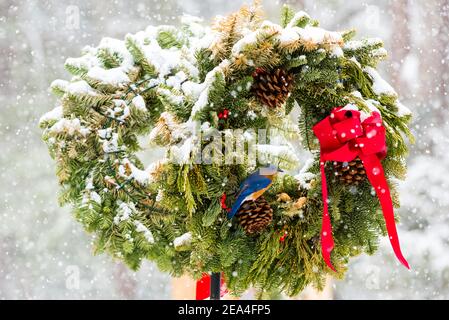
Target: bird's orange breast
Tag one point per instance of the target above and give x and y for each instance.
(257, 194)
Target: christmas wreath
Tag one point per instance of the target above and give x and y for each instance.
(232, 105)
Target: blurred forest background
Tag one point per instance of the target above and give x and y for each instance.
(45, 254)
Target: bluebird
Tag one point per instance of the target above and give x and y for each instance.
(254, 186)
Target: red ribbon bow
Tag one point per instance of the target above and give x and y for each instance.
(343, 137)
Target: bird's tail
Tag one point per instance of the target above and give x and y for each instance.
(236, 206)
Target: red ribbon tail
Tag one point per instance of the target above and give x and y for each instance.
(327, 241)
(376, 176)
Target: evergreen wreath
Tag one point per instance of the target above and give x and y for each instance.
(167, 85)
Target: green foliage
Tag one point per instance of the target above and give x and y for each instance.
(109, 59)
(139, 57)
(303, 21)
(287, 14)
(215, 98)
(167, 39)
(76, 70)
(211, 214)
(205, 62)
(348, 34)
(367, 51)
(296, 62)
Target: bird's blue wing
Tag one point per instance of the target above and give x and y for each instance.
(246, 184)
(250, 185)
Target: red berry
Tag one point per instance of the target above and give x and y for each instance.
(257, 72)
(223, 202)
(282, 238)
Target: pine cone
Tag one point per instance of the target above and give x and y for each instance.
(272, 87)
(350, 173)
(254, 216)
